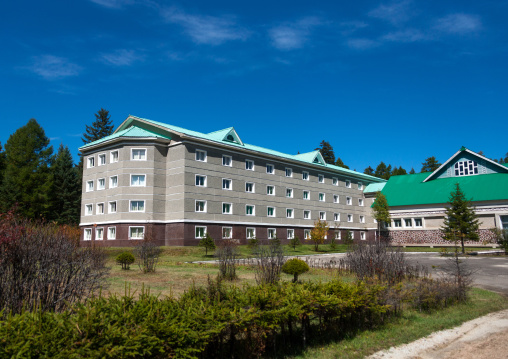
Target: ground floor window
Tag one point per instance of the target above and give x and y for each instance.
(112, 233)
(200, 232)
(251, 233)
(337, 235)
(291, 233)
(227, 232)
(418, 222)
(362, 236)
(504, 222)
(306, 234)
(271, 233)
(136, 232)
(397, 223)
(99, 234)
(88, 234)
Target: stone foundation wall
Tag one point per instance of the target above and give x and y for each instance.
(432, 237)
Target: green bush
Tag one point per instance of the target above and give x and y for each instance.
(295, 267)
(125, 259)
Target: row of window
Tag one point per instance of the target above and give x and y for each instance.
(137, 180)
(137, 154)
(406, 223)
(227, 233)
(134, 233)
(270, 169)
(134, 206)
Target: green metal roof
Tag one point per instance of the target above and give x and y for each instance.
(407, 190)
(374, 187)
(131, 132)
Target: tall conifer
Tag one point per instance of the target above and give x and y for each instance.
(327, 152)
(430, 164)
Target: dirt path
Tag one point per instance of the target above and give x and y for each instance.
(482, 338)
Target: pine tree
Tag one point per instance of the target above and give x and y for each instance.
(369, 171)
(381, 213)
(430, 165)
(399, 171)
(412, 172)
(327, 152)
(339, 163)
(101, 127)
(383, 171)
(208, 243)
(460, 221)
(66, 190)
(3, 163)
(27, 177)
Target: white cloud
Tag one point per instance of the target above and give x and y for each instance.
(362, 44)
(349, 27)
(52, 67)
(113, 4)
(293, 36)
(122, 57)
(395, 13)
(408, 35)
(458, 24)
(203, 29)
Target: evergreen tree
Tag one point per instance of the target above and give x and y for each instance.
(208, 243)
(430, 165)
(460, 222)
(3, 163)
(383, 171)
(412, 172)
(399, 171)
(66, 190)
(339, 163)
(101, 127)
(27, 177)
(327, 152)
(381, 213)
(369, 171)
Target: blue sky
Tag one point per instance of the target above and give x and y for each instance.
(393, 81)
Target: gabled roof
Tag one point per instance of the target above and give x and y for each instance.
(228, 134)
(434, 174)
(130, 132)
(314, 157)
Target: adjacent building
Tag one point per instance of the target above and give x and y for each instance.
(175, 185)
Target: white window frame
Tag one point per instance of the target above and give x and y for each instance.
(309, 212)
(362, 236)
(230, 233)
(270, 231)
(289, 172)
(89, 186)
(200, 176)
(198, 153)
(405, 222)
(306, 234)
(308, 195)
(253, 185)
(362, 219)
(99, 187)
(338, 235)
(138, 185)
(199, 236)
(253, 229)
(336, 217)
(290, 213)
(109, 207)
(89, 206)
(348, 183)
(90, 162)
(138, 159)
(253, 210)
(273, 169)
(335, 181)
(130, 206)
(196, 205)
(322, 197)
(421, 221)
(99, 156)
(87, 234)
(395, 223)
(322, 215)
(274, 214)
(273, 190)
(336, 198)
(305, 176)
(112, 156)
(97, 231)
(227, 158)
(321, 178)
(350, 218)
(360, 186)
(291, 192)
(349, 201)
(111, 237)
(136, 238)
(111, 184)
(98, 208)
(227, 180)
(230, 208)
(290, 233)
(251, 162)
(360, 202)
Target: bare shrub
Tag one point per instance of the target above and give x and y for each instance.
(459, 274)
(227, 253)
(270, 262)
(147, 253)
(42, 266)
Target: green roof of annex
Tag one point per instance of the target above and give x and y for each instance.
(137, 127)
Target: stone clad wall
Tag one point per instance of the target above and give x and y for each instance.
(434, 237)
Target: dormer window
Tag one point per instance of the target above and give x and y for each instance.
(466, 168)
(230, 138)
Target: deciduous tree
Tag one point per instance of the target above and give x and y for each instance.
(318, 233)
(381, 213)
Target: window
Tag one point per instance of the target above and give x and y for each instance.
(249, 187)
(99, 234)
(249, 165)
(289, 172)
(360, 201)
(138, 154)
(321, 179)
(306, 195)
(200, 206)
(91, 162)
(137, 206)
(112, 207)
(250, 210)
(305, 176)
(322, 216)
(270, 169)
(270, 191)
(102, 159)
(408, 222)
(336, 217)
(466, 168)
(348, 184)
(337, 235)
(227, 208)
(227, 232)
(306, 214)
(113, 181)
(291, 233)
(360, 186)
(418, 222)
(88, 210)
(289, 192)
(200, 232)
(227, 161)
(321, 197)
(335, 181)
(226, 184)
(270, 211)
(200, 181)
(271, 233)
(88, 234)
(362, 219)
(362, 236)
(111, 233)
(101, 184)
(350, 218)
(397, 223)
(335, 198)
(138, 180)
(349, 201)
(289, 213)
(306, 234)
(113, 156)
(201, 155)
(251, 233)
(89, 186)
(136, 232)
